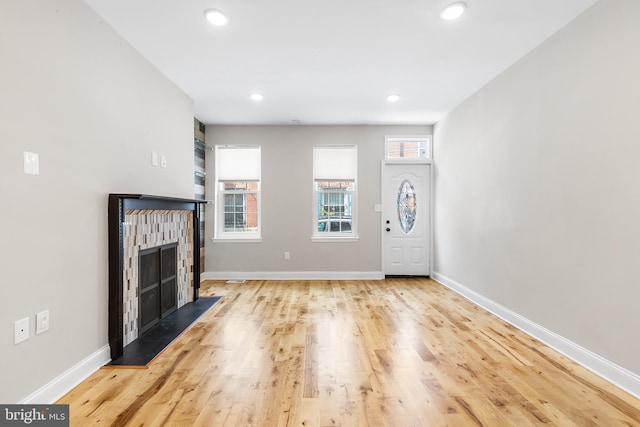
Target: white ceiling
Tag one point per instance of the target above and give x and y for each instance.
(333, 61)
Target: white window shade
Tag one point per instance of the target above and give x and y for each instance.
(332, 163)
(240, 163)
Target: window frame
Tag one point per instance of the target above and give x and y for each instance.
(220, 234)
(335, 236)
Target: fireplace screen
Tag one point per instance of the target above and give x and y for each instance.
(157, 292)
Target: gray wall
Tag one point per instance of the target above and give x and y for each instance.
(537, 186)
(94, 109)
(287, 199)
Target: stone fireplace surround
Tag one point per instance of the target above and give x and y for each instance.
(146, 229)
(136, 222)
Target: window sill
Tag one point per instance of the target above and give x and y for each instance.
(335, 239)
(237, 240)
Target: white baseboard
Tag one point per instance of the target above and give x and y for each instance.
(292, 275)
(617, 375)
(63, 383)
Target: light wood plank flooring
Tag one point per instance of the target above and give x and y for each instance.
(398, 352)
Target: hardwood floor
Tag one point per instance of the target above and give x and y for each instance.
(398, 352)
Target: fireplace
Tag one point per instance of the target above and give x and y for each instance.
(154, 262)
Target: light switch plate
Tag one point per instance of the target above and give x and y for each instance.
(42, 322)
(154, 158)
(31, 163)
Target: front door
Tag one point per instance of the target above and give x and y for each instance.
(406, 211)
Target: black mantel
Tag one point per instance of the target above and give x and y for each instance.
(118, 205)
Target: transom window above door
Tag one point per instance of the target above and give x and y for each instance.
(407, 148)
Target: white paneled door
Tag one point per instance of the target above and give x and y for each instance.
(406, 209)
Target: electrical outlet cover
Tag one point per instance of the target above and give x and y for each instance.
(20, 330)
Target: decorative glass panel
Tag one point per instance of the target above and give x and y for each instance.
(406, 206)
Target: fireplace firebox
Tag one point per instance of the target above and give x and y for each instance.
(157, 289)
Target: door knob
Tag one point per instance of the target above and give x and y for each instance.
(388, 229)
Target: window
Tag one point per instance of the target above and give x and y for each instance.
(408, 147)
(334, 184)
(237, 195)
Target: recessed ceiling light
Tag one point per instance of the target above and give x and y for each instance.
(216, 17)
(256, 96)
(393, 97)
(453, 11)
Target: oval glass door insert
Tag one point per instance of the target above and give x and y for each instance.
(406, 206)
